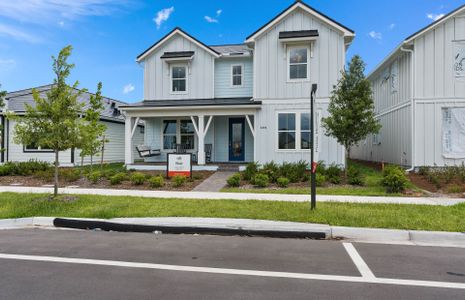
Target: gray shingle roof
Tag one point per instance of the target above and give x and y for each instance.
(195, 102)
(18, 99)
(233, 48)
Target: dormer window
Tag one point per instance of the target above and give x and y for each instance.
(298, 57)
(236, 73)
(179, 79)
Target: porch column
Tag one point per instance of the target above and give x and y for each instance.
(201, 136)
(128, 157)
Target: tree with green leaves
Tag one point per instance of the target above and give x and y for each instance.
(54, 121)
(351, 108)
(91, 139)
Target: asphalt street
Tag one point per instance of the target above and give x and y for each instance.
(69, 264)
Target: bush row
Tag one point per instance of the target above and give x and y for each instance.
(23, 168)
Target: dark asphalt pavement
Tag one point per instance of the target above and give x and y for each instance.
(24, 279)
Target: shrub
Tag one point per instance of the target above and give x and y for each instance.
(94, 176)
(461, 173)
(333, 174)
(282, 182)
(455, 189)
(272, 170)
(156, 181)
(109, 173)
(449, 173)
(319, 180)
(293, 171)
(137, 178)
(70, 175)
(433, 178)
(234, 180)
(250, 171)
(44, 175)
(197, 176)
(261, 180)
(354, 176)
(307, 176)
(423, 171)
(179, 180)
(117, 178)
(321, 168)
(24, 168)
(394, 179)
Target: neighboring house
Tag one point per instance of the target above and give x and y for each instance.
(419, 93)
(110, 116)
(245, 102)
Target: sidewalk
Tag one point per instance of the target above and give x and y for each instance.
(224, 226)
(236, 196)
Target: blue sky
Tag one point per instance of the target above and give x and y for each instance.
(107, 35)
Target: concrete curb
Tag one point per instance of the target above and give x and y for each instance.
(247, 227)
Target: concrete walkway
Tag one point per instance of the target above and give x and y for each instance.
(236, 196)
(214, 183)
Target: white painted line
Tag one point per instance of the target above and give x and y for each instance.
(356, 279)
(358, 261)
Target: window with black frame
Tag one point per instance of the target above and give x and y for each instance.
(286, 131)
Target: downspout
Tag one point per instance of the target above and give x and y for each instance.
(412, 106)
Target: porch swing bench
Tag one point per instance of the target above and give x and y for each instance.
(145, 151)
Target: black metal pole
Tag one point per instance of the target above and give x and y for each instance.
(312, 158)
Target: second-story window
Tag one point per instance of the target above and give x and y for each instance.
(298, 62)
(178, 78)
(236, 75)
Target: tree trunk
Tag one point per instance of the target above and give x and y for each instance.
(347, 160)
(91, 162)
(55, 186)
(82, 165)
(103, 152)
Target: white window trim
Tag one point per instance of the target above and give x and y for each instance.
(38, 149)
(288, 63)
(232, 75)
(185, 65)
(298, 131)
(178, 134)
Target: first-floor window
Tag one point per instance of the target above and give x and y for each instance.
(453, 132)
(169, 134)
(305, 141)
(286, 130)
(294, 131)
(187, 134)
(35, 147)
(178, 132)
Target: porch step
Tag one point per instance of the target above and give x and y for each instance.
(228, 168)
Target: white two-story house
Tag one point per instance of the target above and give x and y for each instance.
(245, 102)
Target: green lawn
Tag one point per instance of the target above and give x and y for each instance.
(343, 214)
(372, 186)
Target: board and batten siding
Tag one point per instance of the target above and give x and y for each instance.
(223, 78)
(391, 86)
(271, 67)
(200, 75)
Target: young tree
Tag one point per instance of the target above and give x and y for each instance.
(92, 131)
(351, 108)
(53, 122)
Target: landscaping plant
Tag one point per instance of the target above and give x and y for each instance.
(333, 174)
(351, 107)
(156, 181)
(179, 180)
(320, 180)
(250, 171)
(234, 180)
(94, 176)
(117, 178)
(394, 179)
(354, 176)
(261, 180)
(272, 170)
(137, 178)
(282, 182)
(70, 175)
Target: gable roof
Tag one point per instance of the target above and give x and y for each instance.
(409, 39)
(18, 99)
(299, 4)
(176, 30)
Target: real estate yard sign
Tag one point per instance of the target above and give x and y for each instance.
(179, 164)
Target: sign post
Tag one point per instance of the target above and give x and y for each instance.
(312, 158)
(179, 164)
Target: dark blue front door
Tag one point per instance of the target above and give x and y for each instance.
(236, 139)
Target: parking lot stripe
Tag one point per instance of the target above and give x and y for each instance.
(289, 275)
(358, 261)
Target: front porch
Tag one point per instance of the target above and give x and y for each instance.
(211, 166)
(214, 133)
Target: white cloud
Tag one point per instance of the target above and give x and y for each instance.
(210, 19)
(163, 15)
(434, 17)
(214, 20)
(17, 34)
(61, 23)
(375, 35)
(40, 11)
(128, 88)
(392, 26)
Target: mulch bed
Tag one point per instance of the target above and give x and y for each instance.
(105, 183)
